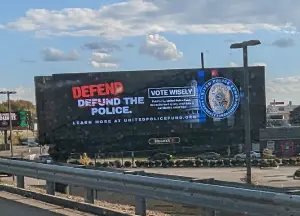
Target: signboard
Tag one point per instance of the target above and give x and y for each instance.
(271, 145)
(277, 103)
(110, 106)
(18, 119)
(194, 99)
(163, 141)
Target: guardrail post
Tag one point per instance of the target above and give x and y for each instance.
(50, 188)
(140, 206)
(20, 182)
(89, 195)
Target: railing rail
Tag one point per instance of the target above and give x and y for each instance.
(214, 197)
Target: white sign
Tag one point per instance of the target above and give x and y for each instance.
(271, 145)
(5, 116)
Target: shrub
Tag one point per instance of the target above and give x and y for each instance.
(255, 162)
(285, 162)
(270, 161)
(98, 164)
(278, 161)
(178, 163)
(297, 173)
(240, 162)
(267, 154)
(171, 163)
(138, 163)
(144, 163)
(264, 163)
(151, 164)
(111, 164)
(127, 164)
(293, 161)
(205, 163)
(164, 163)
(105, 164)
(157, 163)
(198, 163)
(220, 163)
(84, 159)
(190, 163)
(298, 159)
(118, 164)
(226, 162)
(91, 164)
(233, 162)
(212, 163)
(274, 163)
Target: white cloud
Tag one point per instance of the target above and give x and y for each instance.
(284, 42)
(259, 64)
(160, 48)
(140, 17)
(284, 88)
(52, 54)
(234, 64)
(23, 93)
(103, 60)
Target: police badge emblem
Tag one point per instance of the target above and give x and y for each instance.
(219, 97)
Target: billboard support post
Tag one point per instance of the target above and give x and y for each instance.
(8, 93)
(202, 60)
(244, 45)
(10, 125)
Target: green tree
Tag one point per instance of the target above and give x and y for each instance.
(17, 105)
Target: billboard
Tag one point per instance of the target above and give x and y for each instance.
(95, 106)
(18, 119)
(190, 102)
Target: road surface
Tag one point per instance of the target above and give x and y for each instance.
(15, 205)
(24, 150)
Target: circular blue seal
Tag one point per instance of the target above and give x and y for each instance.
(219, 98)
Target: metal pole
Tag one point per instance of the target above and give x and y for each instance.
(202, 60)
(247, 115)
(10, 125)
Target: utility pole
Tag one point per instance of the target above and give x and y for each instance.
(244, 45)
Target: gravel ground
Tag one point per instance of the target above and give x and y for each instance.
(122, 207)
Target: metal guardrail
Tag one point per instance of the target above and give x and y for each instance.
(208, 197)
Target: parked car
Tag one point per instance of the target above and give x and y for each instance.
(253, 154)
(161, 156)
(208, 156)
(30, 142)
(45, 159)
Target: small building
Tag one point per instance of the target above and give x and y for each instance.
(284, 141)
(278, 114)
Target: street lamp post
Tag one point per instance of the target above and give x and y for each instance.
(244, 45)
(8, 93)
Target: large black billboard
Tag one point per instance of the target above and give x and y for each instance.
(111, 105)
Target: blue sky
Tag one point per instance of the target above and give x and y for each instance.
(41, 38)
